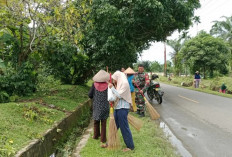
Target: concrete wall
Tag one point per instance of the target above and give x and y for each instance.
(46, 146)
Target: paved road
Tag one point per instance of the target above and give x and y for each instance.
(203, 122)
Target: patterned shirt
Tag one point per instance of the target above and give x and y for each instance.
(121, 103)
(101, 106)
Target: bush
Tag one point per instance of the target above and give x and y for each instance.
(47, 84)
(21, 82)
(4, 97)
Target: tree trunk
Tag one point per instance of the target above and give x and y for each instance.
(204, 72)
(20, 57)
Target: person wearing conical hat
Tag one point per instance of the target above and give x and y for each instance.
(98, 93)
(130, 75)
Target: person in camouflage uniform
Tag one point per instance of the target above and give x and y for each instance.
(141, 79)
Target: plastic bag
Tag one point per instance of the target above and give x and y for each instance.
(111, 96)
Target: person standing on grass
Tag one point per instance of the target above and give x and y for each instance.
(98, 93)
(122, 106)
(130, 75)
(197, 79)
(141, 80)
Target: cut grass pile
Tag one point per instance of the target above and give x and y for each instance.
(29, 118)
(149, 141)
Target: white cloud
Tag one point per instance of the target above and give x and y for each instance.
(211, 10)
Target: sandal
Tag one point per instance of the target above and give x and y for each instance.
(126, 150)
(104, 145)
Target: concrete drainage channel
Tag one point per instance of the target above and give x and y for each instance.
(174, 141)
(59, 132)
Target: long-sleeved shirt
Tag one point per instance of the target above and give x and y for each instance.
(130, 78)
(121, 103)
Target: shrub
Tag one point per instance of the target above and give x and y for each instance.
(47, 84)
(17, 82)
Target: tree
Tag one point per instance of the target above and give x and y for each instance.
(127, 27)
(31, 22)
(206, 53)
(156, 67)
(176, 45)
(223, 29)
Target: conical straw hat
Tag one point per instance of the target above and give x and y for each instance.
(101, 76)
(129, 71)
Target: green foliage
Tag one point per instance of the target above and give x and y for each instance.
(33, 113)
(6, 148)
(223, 29)
(65, 62)
(119, 30)
(76, 38)
(4, 97)
(156, 67)
(47, 84)
(21, 82)
(2, 66)
(206, 53)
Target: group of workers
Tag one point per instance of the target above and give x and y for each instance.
(128, 86)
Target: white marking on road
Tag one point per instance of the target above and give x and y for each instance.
(188, 99)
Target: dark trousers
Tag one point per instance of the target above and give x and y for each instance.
(121, 121)
(97, 132)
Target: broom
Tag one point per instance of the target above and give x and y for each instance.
(113, 138)
(135, 122)
(153, 113)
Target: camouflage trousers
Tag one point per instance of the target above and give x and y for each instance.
(140, 102)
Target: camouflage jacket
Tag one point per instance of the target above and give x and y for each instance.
(141, 80)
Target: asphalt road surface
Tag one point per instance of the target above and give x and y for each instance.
(202, 122)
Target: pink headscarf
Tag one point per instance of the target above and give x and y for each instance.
(123, 87)
(101, 86)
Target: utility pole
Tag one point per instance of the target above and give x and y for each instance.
(165, 61)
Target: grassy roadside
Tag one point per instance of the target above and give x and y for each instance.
(149, 141)
(29, 118)
(210, 86)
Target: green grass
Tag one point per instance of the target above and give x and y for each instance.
(29, 118)
(210, 86)
(17, 129)
(149, 141)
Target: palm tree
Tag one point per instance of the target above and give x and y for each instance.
(196, 20)
(223, 29)
(176, 46)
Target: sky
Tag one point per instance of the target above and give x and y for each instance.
(211, 10)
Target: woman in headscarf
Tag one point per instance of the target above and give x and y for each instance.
(122, 106)
(98, 93)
